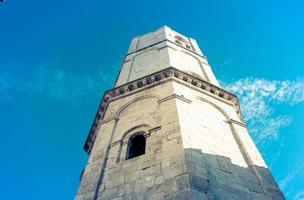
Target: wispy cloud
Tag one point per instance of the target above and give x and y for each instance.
(292, 174)
(259, 98)
(5, 85)
(281, 91)
(54, 83)
(299, 195)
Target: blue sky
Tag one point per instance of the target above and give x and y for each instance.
(57, 59)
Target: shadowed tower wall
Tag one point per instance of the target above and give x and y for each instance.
(168, 131)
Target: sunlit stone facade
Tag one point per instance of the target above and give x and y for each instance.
(168, 131)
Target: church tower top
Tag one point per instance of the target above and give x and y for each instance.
(164, 33)
(162, 49)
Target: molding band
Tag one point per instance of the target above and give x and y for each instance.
(175, 96)
(237, 122)
(153, 80)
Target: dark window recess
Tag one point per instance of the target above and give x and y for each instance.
(137, 146)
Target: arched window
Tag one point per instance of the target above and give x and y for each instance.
(136, 146)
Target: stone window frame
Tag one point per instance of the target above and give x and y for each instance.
(124, 142)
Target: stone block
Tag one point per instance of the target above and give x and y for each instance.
(89, 195)
(159, 180)
(146, 172)
(132, 176)
(224, 166)
(145, 163)
(180, 195)
(117, 198)
(108, 194)
(131, 187)
(198, 195)
(114, 182)
(150, 181)
(169, 186)
(174, 170)
(140, 195)
(130, 167)
(88, 188)
(79, 197)
(139, 185)
(114, 174)
(114, 169)
(182, 182)
(199, 183)
(157, 169)
(155, 192)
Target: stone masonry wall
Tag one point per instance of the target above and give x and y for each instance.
(159, 173)
(197, 147)
(222, 160)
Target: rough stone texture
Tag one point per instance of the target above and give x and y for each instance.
(197, 146)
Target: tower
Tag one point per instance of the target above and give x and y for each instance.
(167, 130)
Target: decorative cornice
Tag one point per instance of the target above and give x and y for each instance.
(151, 81)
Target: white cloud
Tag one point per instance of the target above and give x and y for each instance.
(259, 98)
(299, 195)
(278, 91)
(292, 174)
(54, 83)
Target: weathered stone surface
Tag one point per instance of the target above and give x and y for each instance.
(197, 146)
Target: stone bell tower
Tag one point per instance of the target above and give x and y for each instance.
(167, 130)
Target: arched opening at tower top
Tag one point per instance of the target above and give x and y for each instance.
(136, 146)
